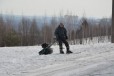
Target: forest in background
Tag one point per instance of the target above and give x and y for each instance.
(37, 30)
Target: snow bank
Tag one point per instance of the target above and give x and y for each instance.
(87, 60)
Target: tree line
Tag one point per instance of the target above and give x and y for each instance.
(35, 31)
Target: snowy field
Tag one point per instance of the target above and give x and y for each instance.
(87, 60)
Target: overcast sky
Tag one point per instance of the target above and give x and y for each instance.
(89, 8)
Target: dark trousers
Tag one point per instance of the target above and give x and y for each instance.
(65, 42)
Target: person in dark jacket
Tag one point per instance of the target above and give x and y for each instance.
(61, 36)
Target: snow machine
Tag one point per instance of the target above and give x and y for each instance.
(46, 49)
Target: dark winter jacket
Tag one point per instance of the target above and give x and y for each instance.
(61, 33)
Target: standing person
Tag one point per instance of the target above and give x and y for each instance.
(61, 36)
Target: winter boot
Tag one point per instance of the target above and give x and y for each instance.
(68, 51)
(61, 51)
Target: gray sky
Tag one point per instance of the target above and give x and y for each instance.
(90, 8)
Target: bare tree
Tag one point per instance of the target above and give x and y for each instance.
(85, 28)
(2, 31)
(24, 31)
(53, 26)
(34, 33)
(112, 39)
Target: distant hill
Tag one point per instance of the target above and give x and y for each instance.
(40, 19)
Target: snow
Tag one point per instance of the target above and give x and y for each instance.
(86, 60)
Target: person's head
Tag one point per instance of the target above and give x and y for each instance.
(61, 25)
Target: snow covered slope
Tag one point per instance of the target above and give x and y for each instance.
(87, 60)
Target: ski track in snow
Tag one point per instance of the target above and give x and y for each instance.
(87, 60)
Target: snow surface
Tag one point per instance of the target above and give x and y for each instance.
(87, 60)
